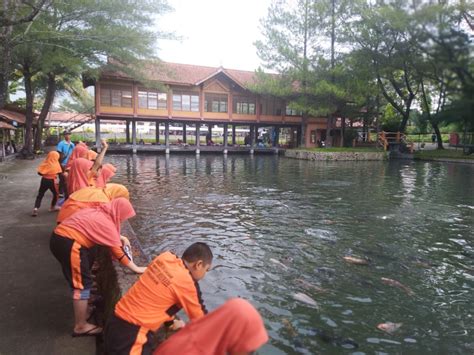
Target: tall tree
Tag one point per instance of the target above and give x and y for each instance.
(71, 37)
(14, 13)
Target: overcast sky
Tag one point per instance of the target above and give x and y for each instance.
(214, 32)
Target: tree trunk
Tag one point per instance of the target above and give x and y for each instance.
(48, 100)
(4, 64)
(27, 150)
(439, 140)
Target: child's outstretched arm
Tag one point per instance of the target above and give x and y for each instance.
(98, 161)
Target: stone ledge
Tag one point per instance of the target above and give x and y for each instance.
(335, 156)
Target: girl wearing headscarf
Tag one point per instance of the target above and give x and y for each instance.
(71, 244)
(106, 173)
(235, 328)
(91, 197)
(49, 170)
(78, 152)
(83, 173)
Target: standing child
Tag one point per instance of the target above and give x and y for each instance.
(49, 170)
(168, 284)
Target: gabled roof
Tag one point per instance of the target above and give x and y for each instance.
(187, 74)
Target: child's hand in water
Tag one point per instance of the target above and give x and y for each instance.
(177, 324)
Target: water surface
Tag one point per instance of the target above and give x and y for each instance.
(280, 227)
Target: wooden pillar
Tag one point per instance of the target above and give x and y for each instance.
(167, 134)
(184, 133)
(226, 127)
(157, 132)
(233, 134)
(209, 131)
(97, 133)
(276, 136)
(198, 139)
(3, 143)
(134, 135)
(252, 135)
(127, 132)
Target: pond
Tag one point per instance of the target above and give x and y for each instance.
(279, 229)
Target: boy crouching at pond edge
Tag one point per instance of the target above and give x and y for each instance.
(168, 284)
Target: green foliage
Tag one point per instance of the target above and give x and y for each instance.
(390, 120)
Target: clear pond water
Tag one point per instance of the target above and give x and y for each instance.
(279, 229)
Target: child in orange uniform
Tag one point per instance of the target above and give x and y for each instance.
(235, 328)
(91, 197)
(49, 170)
(71, 244)
(169, 284)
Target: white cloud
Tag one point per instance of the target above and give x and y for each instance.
(214, 32)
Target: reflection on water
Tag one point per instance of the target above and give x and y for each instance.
(279, 229)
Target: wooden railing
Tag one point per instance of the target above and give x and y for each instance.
(385, 138)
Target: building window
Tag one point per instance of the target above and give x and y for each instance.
(152, 100)
(215, 103)
(185, 102)
(115, 97)
(271, 107)
(244, 105)
(292, 112)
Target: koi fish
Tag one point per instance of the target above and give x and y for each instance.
(389, 327)
(356, 261)
(396, 283)
(305, 299)
(279, 263)
(308, 285)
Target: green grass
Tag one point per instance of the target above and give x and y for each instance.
(342, 150)
(443, 153)
(426, 138)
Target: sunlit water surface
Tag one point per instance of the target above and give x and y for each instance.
(279, 227)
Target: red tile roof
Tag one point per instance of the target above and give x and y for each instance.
(4, 125)
(186, 74)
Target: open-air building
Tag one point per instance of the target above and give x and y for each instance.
(193, 97)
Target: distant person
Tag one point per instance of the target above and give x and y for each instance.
(71, 244)
(49, 170)
(169, 284)
(235, 328)
(209, 140)
(433, 138)
(65, 147)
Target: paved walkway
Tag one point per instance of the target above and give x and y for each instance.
(35, 309)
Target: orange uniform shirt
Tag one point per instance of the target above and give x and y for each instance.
(71, 233)
(160, 292)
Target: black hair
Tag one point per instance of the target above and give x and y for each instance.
(198, 251)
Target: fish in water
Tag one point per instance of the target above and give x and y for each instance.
(398, 284)
(356, 261)
(308, 285)
(389, 327)
(299, 296)
(279, 263)
(289, 327)
(327, 337)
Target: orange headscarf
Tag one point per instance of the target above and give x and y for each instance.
(106, 173)
(78, 152)
(82, 144)
(234, 327)
(50, 166)
(101, 225)
(116, 190)
(89, 197)
(79, 175)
